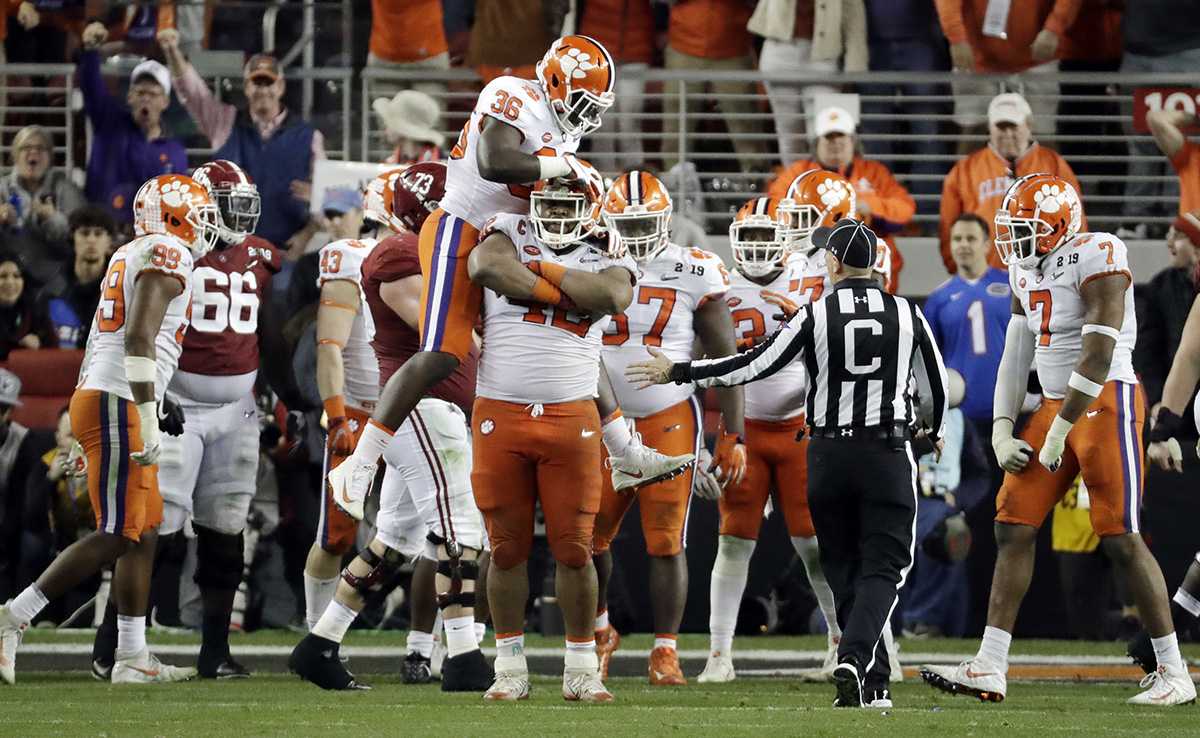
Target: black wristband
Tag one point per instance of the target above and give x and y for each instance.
(1166, 425)
(679, 372)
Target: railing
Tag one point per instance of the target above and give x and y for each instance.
(40, 94)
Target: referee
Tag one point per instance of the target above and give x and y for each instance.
(860, 347)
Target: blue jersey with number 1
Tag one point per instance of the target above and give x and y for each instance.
(969, 320)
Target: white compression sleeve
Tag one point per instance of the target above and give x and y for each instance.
(1013, 375)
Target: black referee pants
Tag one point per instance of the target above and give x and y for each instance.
(862, 495)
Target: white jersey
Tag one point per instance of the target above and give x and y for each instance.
(104, 361)
(519, 103)
(535, 353)
(670, 288)
(343, 260)
(1054, 310)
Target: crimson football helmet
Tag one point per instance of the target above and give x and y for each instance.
(416, 193)
(1040, 212)
(577, 74)
(235, 195)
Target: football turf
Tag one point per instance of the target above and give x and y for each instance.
(43, 704)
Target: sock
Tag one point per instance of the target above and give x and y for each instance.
(602, 620)
(334, 622)
(318, 593)
(581, 655)
(1185, 600)
(371, 444)
(460, 635)
(1166, 651)
(725, 590)
(664, 640)
(480, 632)
(420, 642)
(810, 556)
(993, 649)
(131, 636)
(617, 435)
(26, 606)
(105, 644)
(510, 652)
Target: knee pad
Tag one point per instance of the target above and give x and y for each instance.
(456, 568)
(569, 553)
(507, 554)
(383, 569)
(172, 549)
(733, 556)
(220, 558)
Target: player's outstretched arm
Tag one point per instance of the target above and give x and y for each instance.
(1167, 127)
(1164, 450)
(499, 157)
(152, 294)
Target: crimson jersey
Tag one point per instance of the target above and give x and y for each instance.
(228, 287)
(395, 341)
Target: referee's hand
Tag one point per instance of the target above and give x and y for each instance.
(656, 370)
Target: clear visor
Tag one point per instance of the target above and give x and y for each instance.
(1016, 238)
(758, 247)
(560, 217)
(641, 235)
(205, 221)
(582, 110)
(796, 224)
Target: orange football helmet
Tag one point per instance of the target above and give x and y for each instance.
(815, 198)
(637, 212)
(379, 199)
(1040, 212)
(175, 205)
(577, 75)
(757, 238)
(564, 210)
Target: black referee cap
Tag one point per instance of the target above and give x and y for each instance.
(849, 240)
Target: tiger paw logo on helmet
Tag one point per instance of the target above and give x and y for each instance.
(173, 193)
(1050, 198)
(831, 192)
(577, 63)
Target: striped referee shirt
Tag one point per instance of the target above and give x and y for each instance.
(860, 347)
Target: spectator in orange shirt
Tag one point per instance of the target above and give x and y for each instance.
(510, 37)
(881, 201)
(1023, 39)
(977, 183)
(1167, 127)
(703, 35)
(407, 34)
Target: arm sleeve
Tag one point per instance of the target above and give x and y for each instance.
(102, 108)
(930, 374)
(783, 347)
(1013, 375)
(951, 16)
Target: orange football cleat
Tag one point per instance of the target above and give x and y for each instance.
(664, 668)
(607, 641)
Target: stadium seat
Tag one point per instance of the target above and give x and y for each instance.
(48, 377)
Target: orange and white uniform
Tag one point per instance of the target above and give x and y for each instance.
(1105, 445)
(672, 285)
(536, 430)
(344, 260)
(124, 494)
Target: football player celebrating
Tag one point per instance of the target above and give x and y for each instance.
(134, 345)
(678, 299)
(536, 428)
(209, 474)
(520, 132)
(1072, 312)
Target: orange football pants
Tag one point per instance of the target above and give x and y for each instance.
(450, 301)
(336, 530)
(775, 460)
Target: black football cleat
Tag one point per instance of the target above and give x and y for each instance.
(416, 669)
(467, 672)
(101, 670)
(1142, 652)
(221, 668)
(315, 659)
(849, 688)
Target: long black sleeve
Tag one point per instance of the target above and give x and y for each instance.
(930, 374)
(783, 347)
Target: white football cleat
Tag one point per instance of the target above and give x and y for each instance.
(877, 699)
(584, 685)
(718, 669)
(509, 686)
(145, 668)
(11, 632)
(1169, 685)
(967, 678)
(642, 465)
(893, 652)
(349, 484)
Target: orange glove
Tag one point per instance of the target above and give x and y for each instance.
(781, 301)
(729, 460)
(340, 440)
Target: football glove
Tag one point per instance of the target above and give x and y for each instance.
(170, 417)
(729, 462)
(704, 484)
(781, 301)
(341, 438)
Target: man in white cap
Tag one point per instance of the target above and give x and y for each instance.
(410, 121)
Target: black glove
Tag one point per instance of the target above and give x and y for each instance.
(170, 417)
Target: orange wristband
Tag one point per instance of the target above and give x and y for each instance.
(552, 273)
(546, 293)
(335, 407)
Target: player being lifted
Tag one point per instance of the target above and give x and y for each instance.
(1072, 311)
(536, 429)
(678, 299)
(134, 345)
(520, 132)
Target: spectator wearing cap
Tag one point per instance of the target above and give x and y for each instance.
(129, 145)
(977, 183)
(626, 28)
(34, 203)
(410, 122)
(1015, 37)
(22, 324)
(18, 459)
(275, 147)
(343, 213)
(1184, 155)
(806, 38)
(882, 202)
(71, 298)
(408, 35)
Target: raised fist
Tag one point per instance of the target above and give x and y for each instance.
(94, 35)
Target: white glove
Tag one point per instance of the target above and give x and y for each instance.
(1051, 452)
(1166, 454)
(1012, 454)
(704, 482)
(151, 436)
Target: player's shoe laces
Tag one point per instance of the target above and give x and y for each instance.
(11, 631)
(145, 668)
(349, 484)
(718, 668)
(509, 686)
(970, 678)
(584, 685)
(664, 668)
(315, 659)
(466, 672)
(415, 669)
(1167, 685)
(849, 688)
(607, 642)
(877, 698)
(642, 465)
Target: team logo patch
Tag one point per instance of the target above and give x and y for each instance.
(997, 289)
(733, 302)
(353, 425)
(532, 250)
(1022, 283)
(547, 137)
(487, 426)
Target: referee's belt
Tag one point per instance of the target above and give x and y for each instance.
(898, 432)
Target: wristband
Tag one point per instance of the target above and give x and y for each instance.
(1001, 430)
(679, 372)
(546, 293)
(335, 407)
(1166, 425)
(1059, 428)
(1103, 330)
(551, 272)
(140, 369)
(1084, 385)
(550, 167)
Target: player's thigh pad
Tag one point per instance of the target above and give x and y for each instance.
(1027, 497)
(1107, 440)
(450, 302)
(229, 471)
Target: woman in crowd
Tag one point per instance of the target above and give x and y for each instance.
(22, 325)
